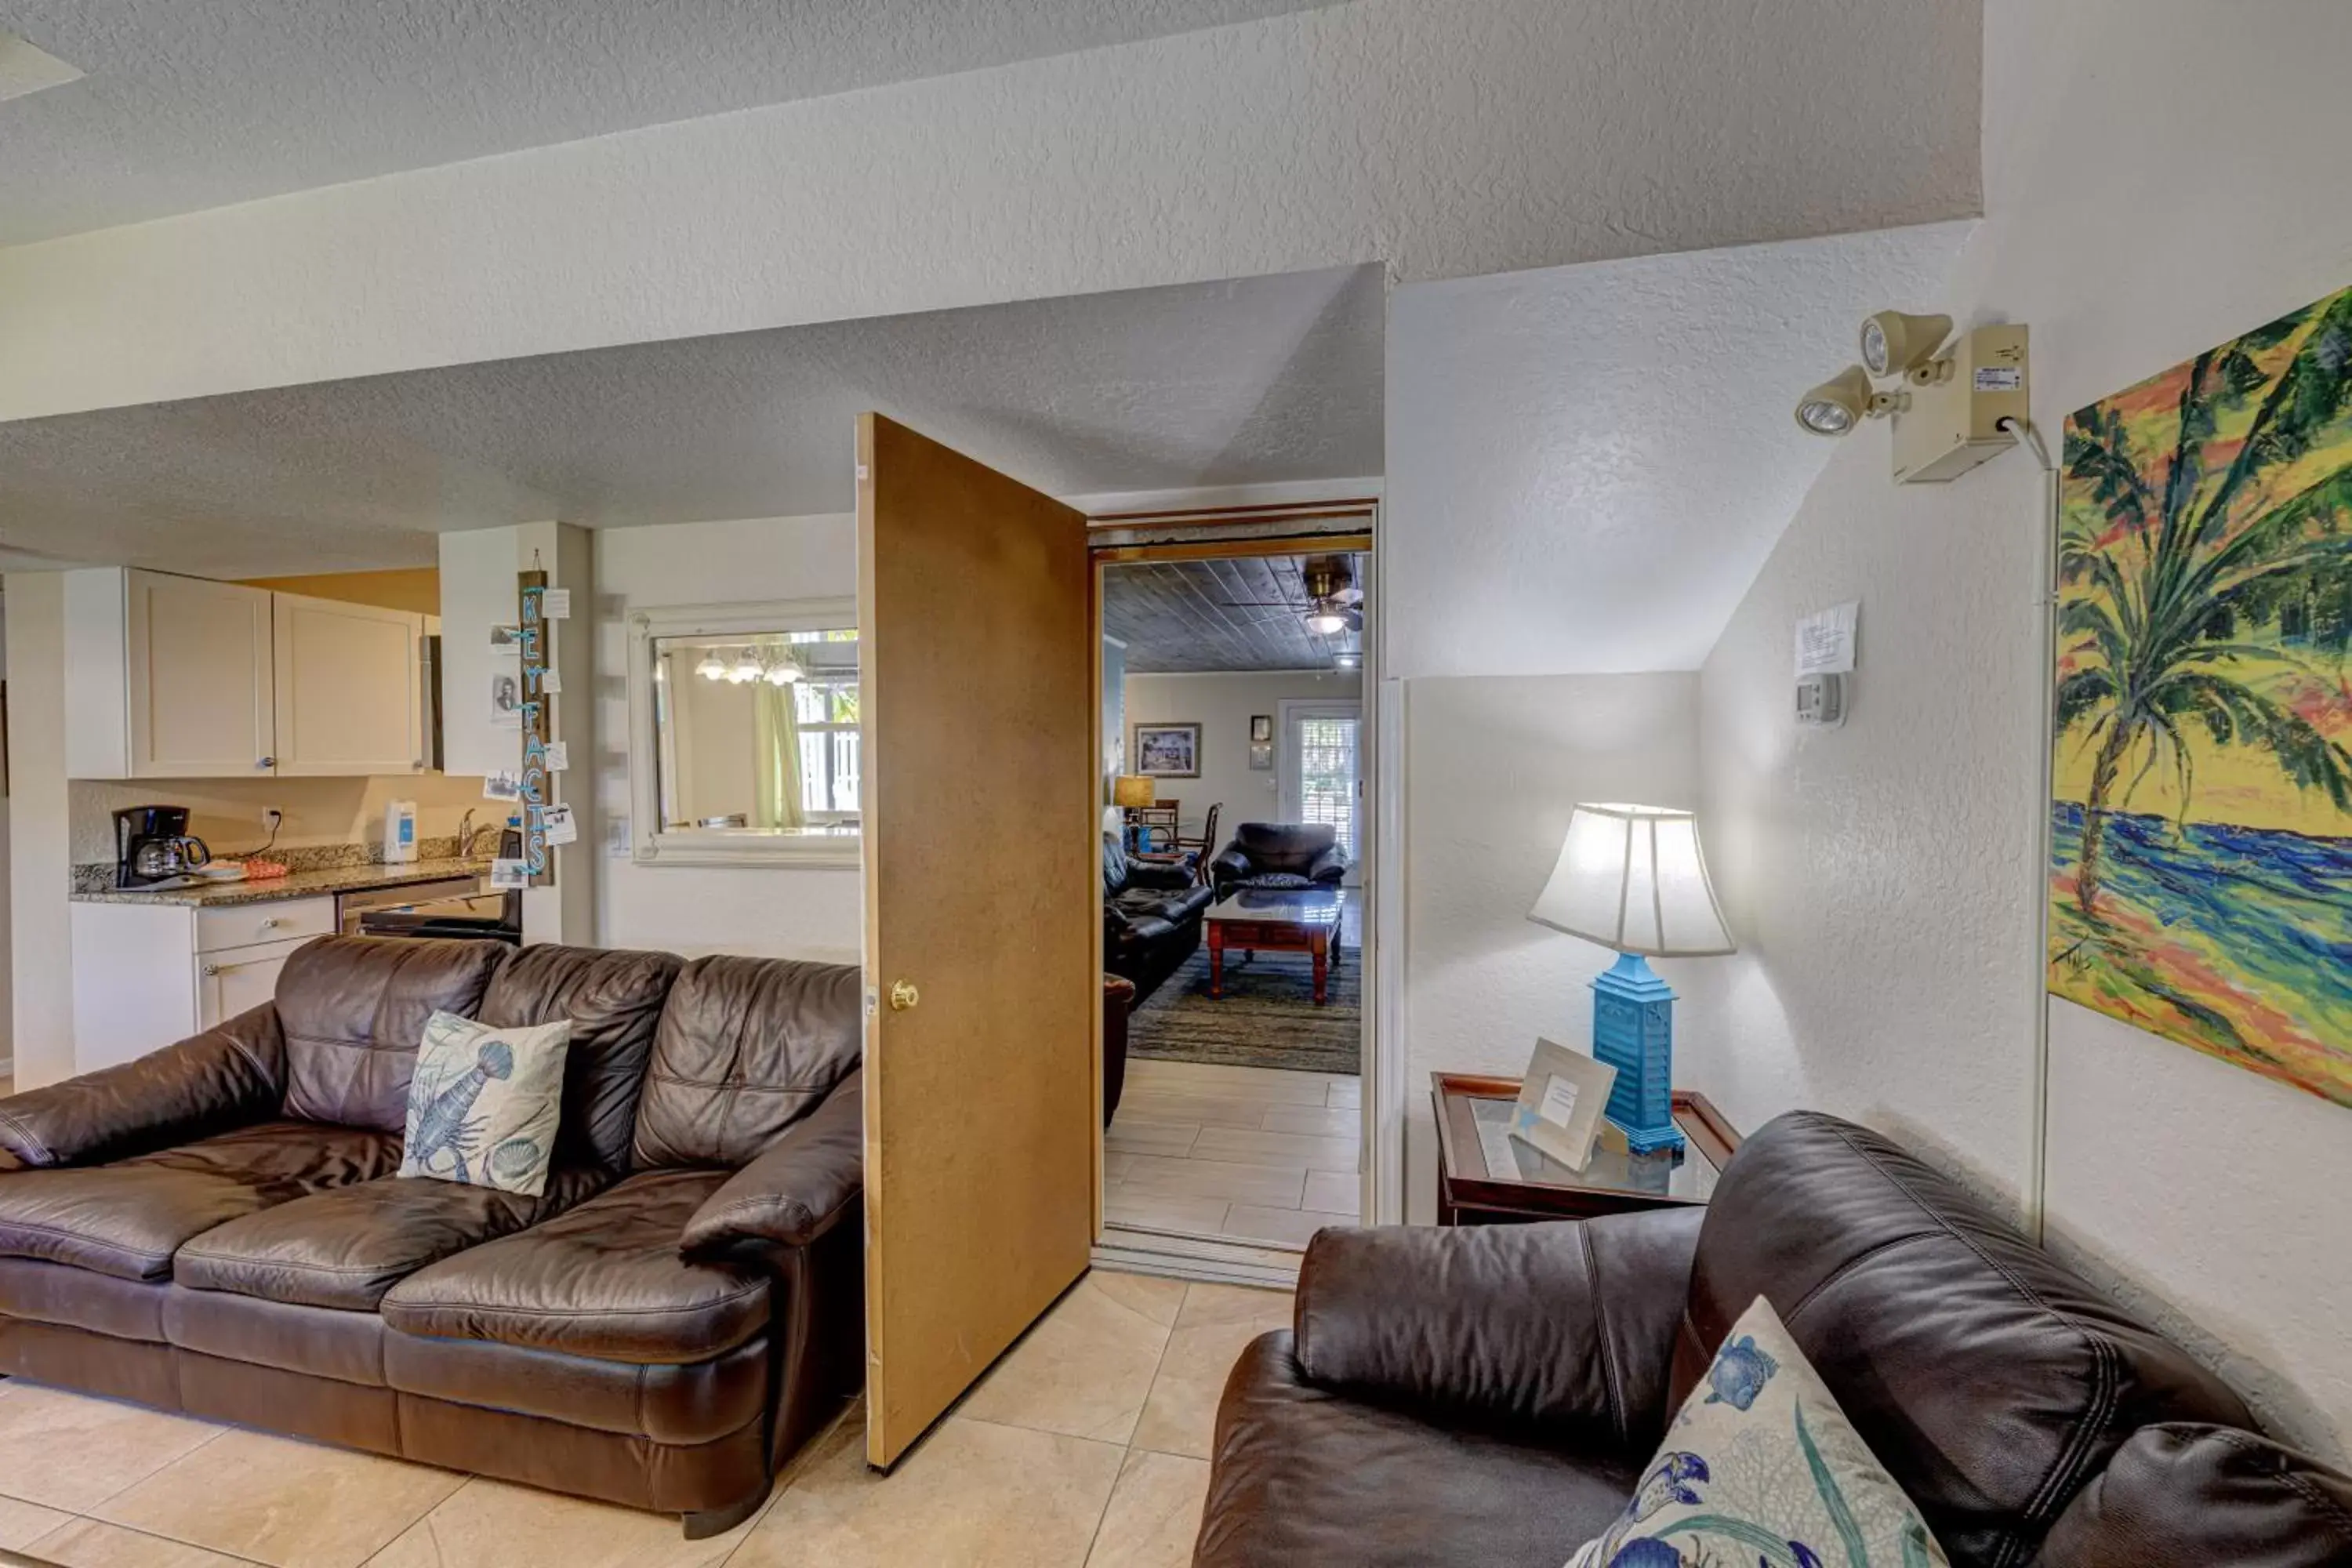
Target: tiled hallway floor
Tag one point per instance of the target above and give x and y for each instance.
(1085, 1447)
(1239, 1154)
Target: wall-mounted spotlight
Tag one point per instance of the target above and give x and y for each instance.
(1948, 411)
(1895, 344)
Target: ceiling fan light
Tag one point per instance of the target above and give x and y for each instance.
(1324, 622)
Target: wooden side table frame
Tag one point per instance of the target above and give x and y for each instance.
(1468, 1195)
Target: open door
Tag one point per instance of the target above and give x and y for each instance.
(982, 917)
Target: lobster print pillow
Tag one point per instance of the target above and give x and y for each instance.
(1760, 1466)
(484, 1102)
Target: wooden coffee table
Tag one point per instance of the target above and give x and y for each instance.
(1283, 920)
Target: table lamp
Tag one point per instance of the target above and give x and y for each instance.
(1128, 790)
(1632, 877)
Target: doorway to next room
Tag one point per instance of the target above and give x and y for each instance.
(1235, 888)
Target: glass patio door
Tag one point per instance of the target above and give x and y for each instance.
(1322, 771)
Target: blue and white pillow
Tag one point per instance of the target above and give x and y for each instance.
(484, 1103)
(1762, 1468)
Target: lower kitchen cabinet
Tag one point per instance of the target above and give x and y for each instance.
(145, 976)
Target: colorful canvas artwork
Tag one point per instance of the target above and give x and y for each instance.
(2200, 884)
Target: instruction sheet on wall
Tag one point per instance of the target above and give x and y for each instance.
(1825, 639)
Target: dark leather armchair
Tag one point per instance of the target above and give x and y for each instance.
(1490, 1396)
(1279, 854)
(1151, 918)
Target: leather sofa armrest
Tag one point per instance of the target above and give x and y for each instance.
(1172, 878)
(1565, 1330)
(227, 1077)
(1330, 866)
(798, 1189)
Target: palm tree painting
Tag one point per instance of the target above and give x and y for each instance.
(2201, 872)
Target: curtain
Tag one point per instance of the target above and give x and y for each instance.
(777, 757)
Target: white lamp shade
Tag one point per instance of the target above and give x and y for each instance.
(1632, 877)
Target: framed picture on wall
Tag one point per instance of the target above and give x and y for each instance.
(1261, 756)
(1167, 750)
(1261, 727)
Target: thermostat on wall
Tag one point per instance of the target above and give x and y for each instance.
(1821, 700)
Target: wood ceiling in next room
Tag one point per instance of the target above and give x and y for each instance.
(1241, 613)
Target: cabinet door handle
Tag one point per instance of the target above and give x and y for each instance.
(211, 969)
(272, 923)
(267, 763)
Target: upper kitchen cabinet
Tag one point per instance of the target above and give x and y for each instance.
(179, 678)
(350, 698)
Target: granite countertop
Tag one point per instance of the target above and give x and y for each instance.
(301, 884)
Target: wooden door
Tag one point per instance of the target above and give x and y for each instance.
(200, 677)
(350, 688)
(982, 918)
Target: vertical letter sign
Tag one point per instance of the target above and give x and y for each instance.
(537, 658)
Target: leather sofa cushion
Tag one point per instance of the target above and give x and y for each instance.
(613, 1000)
(694, 1403)
(604, 1280)
(353, 1010)
(343, 1249)
(59, 1293)
(343, 1347)
(1310, 1479)
(2184, 1496)
(1989, 1380)
(1151, 903)
(129, 1218)
(1291, 846)
(746, 1047)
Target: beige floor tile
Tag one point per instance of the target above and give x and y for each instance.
(1086, 1368)
(72, 1452)
(1285, 1228)
(1273, 1186)
(22, 1523)
(1258, 1148)
(275, 1501)
(488, 1524)
(1114, 1164)
(1200, 1216)
(1216, 1322)
(974, 1494)
(1203, 1109)
(1317, 1120)
(94, 1544)
(1211, 1079)
(1135, 1136)
(1154, 1514)
(1346, 1092)
(1334, 1192)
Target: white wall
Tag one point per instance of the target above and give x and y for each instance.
(1465, 137)
(1493, 767)
(226, 813)
(1223, 705)
(790, 913)
(39, 867)
(1885, 878)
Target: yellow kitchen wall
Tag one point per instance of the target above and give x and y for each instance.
(416, 589)
(226, 813)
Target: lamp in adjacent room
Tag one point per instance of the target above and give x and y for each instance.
(1630, 877)
(1129, 791)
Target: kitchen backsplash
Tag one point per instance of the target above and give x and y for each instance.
(333, 815)
(97, 875)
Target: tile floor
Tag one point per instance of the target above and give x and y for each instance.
(1245, 1153)
(1085, 1447)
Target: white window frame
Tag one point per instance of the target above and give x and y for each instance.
(1292, 710)
(650, 845)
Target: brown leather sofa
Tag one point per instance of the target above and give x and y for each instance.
(1279, 854)
(1151, 918)
(217, 1229)
(1489, 1397)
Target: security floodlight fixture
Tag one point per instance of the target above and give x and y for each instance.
(1895, 344)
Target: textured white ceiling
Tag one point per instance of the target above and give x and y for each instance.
(1242, 382)
(1588, 464)
(189, 104)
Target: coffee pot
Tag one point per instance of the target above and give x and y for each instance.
(152, 848)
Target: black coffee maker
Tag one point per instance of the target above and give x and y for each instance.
(152, 849)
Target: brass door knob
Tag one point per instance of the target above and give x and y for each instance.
(903, 995)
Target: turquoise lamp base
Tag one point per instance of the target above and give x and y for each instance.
(1633, 1031)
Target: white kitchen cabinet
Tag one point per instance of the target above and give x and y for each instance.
(349, 685)
(237, 978)
(148, 975)
(179, 678)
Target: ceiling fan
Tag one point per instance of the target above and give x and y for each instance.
(1335, 604)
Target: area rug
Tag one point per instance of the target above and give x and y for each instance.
(1266, 1018)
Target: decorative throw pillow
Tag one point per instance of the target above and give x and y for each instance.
(484, 1102)
(1761, 1466)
